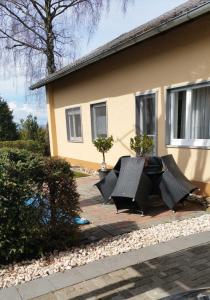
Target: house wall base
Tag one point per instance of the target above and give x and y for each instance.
(84, 164)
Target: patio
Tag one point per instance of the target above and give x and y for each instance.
(106, 223)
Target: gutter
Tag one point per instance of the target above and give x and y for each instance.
(94, 57)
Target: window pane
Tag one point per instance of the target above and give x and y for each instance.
(179, 115)
(72, 132)
(146, 117)
(200, 111)
(99, 120)
(146, 114)
(189, 114)
(78, 132)
(74, 129)
(75, 110)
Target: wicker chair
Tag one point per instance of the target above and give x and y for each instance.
(133, 186)
(108, 183)
(174, 186)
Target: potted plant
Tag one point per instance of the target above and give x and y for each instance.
(103, 145)
(141, 144)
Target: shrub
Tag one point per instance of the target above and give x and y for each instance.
(19, 228)
(60, 202)
(29, 145)
(103, 145)
(141, 144)
(38, 199)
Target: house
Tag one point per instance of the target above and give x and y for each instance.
(154, 79)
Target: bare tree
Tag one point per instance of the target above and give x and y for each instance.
(42, 32)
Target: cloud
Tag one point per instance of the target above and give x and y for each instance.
(22, 110)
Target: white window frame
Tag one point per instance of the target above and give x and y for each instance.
(154, 93)
(71, 112)
(93, 118)
(170, 129)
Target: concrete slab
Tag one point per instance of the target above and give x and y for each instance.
(34, 288)
(9, 294)
(67, 278)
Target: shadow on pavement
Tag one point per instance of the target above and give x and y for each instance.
(154, 279)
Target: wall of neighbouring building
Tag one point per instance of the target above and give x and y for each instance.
(179, 56)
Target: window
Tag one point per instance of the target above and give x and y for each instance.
(73, 121)
(146, 116)
(98, 120)
(188, 116)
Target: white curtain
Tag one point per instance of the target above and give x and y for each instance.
(100, 121)
(200, 114)
(147, 114)
(191, 111)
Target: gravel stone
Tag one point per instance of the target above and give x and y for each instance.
(17, 273)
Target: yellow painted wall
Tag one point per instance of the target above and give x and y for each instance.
(179, 56)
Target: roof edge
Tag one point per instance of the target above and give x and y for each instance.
(137, 38)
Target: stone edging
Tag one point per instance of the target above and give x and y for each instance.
(42, 286)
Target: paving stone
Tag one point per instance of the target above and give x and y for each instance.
(35, 288)
(94, 269)
(69, 293)
(49, 296)
(96, 212)
(150, 279)
(9, 294)
(64, 279)
(140, 297)
(125, 293)
(117, 297)
(140, 289)
(157, 293)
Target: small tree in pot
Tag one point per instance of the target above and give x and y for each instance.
(103, 145)
(141, 144)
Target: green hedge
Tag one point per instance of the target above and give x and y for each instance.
(28, 145)
(38, 199)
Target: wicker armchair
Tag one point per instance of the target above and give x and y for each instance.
(174, 186)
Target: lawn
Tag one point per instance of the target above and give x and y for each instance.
(79, 174)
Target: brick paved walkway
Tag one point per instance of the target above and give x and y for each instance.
(105, 222)
(153, 279)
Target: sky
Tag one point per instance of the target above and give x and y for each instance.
(13, 86)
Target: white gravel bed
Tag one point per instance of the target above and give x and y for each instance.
(29, 270)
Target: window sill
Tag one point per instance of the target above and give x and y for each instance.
(76, 141)
(188, 147)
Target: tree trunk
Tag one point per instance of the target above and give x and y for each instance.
(51, 68)
(103, 157)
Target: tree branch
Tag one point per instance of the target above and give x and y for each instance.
(26, 44)
(15, 16)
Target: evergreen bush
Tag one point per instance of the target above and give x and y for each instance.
(38, 199)
(29, 145)
(141, 144)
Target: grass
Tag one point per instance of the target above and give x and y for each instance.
(79, 174)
